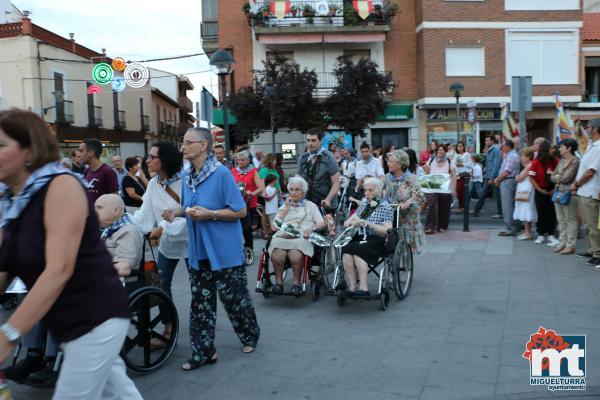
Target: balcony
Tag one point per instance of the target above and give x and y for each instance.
(145, 123)
(120, 119)
(339, 20)
(162, 128)
(64, 112)
(327, 81)
(94, 116)
(185, 104)
(209, 32)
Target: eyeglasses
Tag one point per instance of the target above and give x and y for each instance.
(188, 142)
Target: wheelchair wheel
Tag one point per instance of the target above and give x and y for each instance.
(248, 256)
(328, 260)
(149, 307)
(384, 296)
(402, 269)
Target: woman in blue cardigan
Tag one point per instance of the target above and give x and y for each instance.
(212, 204)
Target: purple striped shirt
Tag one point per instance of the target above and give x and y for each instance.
(511, 163)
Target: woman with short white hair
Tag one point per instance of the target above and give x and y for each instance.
(305, 217)
(373, 218)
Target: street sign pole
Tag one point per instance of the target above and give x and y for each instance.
(521, 102)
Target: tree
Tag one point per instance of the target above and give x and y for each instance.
(361, 88)
(281, 90)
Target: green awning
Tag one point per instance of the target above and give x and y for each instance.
(396, 112)
(218, 117)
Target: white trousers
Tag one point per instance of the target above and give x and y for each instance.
(92, 368)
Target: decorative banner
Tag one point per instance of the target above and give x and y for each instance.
(322, 7)
(118, 84)
(363, 7)
(119, 64)
(564, 128)
(102, 73)
(136, 75)
(439, 183)
(93, 89)
(509, 127)
(280, 8)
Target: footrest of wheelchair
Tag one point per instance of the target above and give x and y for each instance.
(269, 291)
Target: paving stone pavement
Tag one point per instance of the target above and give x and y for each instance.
(460, 333)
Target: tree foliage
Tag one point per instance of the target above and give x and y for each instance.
(281, 90)
(359, 96)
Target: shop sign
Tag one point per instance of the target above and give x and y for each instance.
(449, 114)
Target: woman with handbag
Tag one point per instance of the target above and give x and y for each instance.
(539, 175)
(566, 211)
(164, 191)
(464, 167)
(525, 210)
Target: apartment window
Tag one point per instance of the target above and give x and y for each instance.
(541, 4)
(358, 54)
(59, 82)
(465, 61)
(548, 57)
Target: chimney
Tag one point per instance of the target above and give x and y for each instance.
(73, 46)
(26, 24)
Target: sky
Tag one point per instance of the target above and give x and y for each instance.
(132, 29)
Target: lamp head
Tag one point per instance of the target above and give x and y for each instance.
(456, 88)
(222, 62)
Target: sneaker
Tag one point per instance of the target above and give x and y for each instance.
(27, 366)
(594, 261)
(584, 254)
(496, 216)
(43, 379)
(540, 239)
(552, 241)
(524, 237)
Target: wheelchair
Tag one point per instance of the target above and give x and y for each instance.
(150, 309)
(393, 269)
(311, 271)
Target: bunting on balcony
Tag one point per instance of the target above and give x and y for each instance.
(280, 8)
(363, 7)
(564, 129)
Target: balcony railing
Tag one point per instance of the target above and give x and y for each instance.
(185, 104)
(317, 13)
(326, 81)
(162, 127)
(120, 119)
(95, 116)
(209, 30)
(145, 123)
(64, 112)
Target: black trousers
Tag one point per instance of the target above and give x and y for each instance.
(546, 223)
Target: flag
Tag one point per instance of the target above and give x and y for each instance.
(564, 129)
(363, 7)
(280, 8)
(582, 139)
(509, 126)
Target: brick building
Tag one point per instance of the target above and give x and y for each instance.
(426, 47)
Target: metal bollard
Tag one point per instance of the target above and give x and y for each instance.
(466, 194)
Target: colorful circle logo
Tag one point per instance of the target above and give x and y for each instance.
(102, 73)
(136, 75)
(118, 84)
(119, 64)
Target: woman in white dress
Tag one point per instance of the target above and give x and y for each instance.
(525, 211)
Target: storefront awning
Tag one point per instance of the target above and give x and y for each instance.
(218, 117)
(396, 112)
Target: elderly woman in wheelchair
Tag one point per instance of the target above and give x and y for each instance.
(370, 224)
(294, 223)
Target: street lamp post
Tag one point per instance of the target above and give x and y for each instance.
(456, 89)
(222, 62)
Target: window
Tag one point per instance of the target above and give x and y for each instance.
(541, 4)
(592, 79)
(357, 55)
(548, 57)
(465, 61)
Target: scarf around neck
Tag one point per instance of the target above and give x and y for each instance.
(244, 171)
(317, 153)
(393, 179)
(166, 182)
(115, 226)
(297, 203)
(13, 206)
(208, 168)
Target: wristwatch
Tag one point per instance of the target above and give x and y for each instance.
(215, 215)
(11, 333)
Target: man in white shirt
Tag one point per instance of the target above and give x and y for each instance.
(367, 165)
(587, 184)
(348, 164)
(257, 159)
